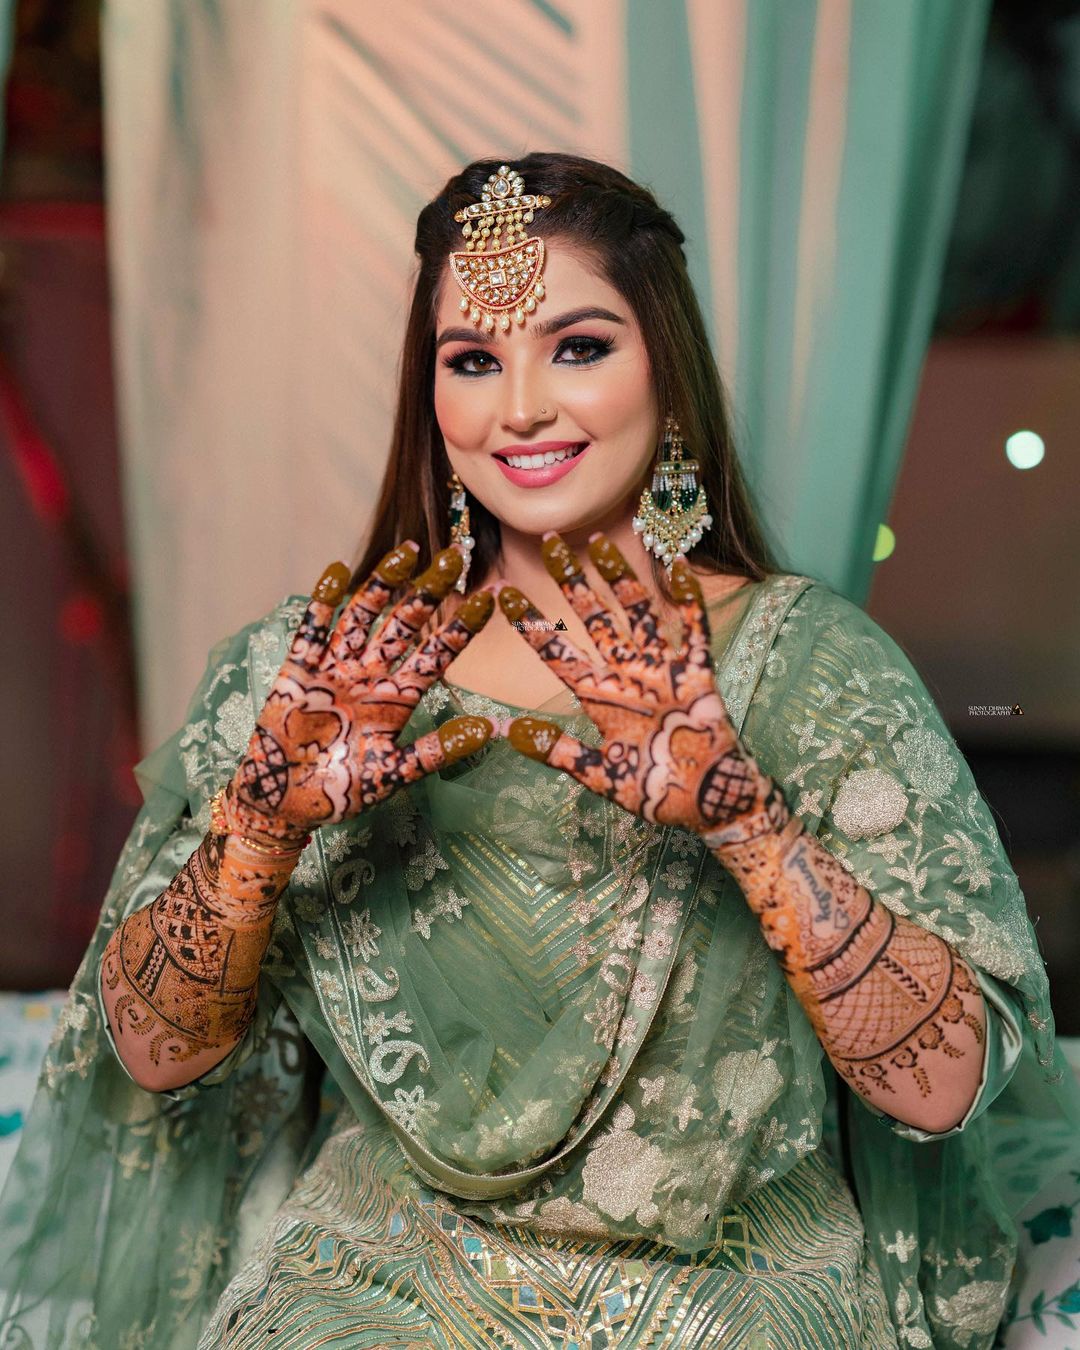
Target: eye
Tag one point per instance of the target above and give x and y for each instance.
(583, 351)
(478, 362)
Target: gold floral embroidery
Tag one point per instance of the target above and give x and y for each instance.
(976, 1308)
(869, 802)
(622, 1171)
(746, 1082)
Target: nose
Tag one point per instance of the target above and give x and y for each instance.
(527, 402)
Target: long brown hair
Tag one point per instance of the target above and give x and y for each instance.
(639, 248)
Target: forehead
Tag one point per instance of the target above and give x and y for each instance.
(573, 277)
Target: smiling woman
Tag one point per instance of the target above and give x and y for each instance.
(577, 383)
(655, 974)
(617, 342)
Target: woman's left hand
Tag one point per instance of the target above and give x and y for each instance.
(670, 752)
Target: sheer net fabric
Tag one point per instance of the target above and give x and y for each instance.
(550, 1028)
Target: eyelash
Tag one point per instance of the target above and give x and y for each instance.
(597, 346)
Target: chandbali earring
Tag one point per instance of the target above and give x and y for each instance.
(460, 532)
(673, 514)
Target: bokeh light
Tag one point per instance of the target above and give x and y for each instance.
(1025, 449)
(884, 543)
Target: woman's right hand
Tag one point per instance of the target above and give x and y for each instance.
(324, 746)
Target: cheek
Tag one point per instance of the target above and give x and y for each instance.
(617, 399)
(459, 411)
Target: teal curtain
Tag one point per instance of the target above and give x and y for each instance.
(266, 164)
(852, 127)
(7, 44)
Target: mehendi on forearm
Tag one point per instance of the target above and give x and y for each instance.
(899, 1013)
(179, 977)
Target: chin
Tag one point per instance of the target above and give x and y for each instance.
(562, 522)
(572, 512)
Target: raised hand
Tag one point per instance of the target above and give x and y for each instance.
(324, 747)
(670, 752)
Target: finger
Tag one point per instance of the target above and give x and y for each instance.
(309, 643)
(411, 613)
(562, 656)
(686, 590)
(547, 742)
(350, 633)
(563, 566)
(455, 739)
(631, 594)
(423, 666)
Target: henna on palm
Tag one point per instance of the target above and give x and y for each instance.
(324, 747)
(897, 1011)
(670, 752)
(179, 978)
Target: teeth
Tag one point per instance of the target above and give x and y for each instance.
(540, 460)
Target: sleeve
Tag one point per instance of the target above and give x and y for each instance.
(97, 1151)
(181, 777)
(869, 763)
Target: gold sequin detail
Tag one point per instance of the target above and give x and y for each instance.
(869, 802)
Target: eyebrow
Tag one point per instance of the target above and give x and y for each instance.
(539, 330)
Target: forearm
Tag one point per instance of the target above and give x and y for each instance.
(899, 1013)
(179, 977)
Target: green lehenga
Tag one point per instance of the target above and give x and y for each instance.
(363, 1254)
(524, 1072)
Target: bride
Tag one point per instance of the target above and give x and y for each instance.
(568, 928)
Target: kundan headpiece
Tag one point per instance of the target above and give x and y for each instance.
(500, 275)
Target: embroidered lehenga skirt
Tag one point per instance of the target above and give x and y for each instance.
(363, 1255)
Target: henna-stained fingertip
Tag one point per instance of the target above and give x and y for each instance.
(559, 559)
(332, 585)
(463, 736)
(398, 564)
(533, 736)
(438, 578)
(476, 610)
(512, 603)
(610, 563)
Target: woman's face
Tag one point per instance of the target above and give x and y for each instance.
(574, 381)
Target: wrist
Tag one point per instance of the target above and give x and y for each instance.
(231, 819)
(769, 824)
(239, 885)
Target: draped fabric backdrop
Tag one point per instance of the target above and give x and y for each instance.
(7, 41)
(266, 160)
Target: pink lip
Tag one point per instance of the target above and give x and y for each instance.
(540, 477)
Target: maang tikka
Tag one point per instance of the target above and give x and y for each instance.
(460, 530)
(673, 514)
(501, 270)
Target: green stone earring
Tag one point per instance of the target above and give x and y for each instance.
(673, 514)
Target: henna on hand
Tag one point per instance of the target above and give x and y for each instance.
(899, 1013)
(670, 752)
(323, 749)
(179, 977)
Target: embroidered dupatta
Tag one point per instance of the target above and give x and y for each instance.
(567, 1016)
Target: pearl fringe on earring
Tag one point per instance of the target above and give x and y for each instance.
(672, 514)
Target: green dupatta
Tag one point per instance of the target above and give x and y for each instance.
(567, 1017)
